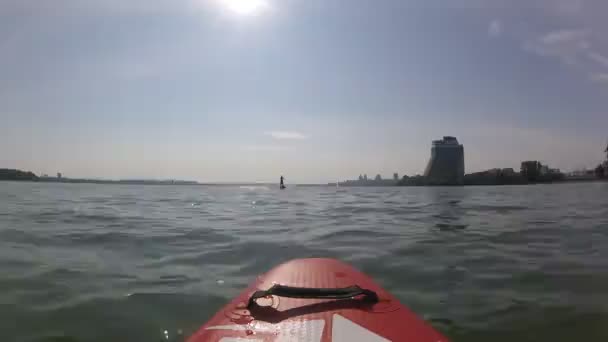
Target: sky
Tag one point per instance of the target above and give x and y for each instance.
(315, 90)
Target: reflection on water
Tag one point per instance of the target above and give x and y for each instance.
(147, 263)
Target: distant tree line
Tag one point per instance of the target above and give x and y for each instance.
(18, 175)
(601, 171)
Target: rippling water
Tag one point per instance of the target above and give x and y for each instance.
(139, 263)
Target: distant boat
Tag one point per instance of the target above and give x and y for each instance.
(282, 184)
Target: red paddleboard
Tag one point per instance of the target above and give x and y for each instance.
(315, 300)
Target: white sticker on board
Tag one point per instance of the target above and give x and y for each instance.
(290, 331)
(301, 331)
(345, 330)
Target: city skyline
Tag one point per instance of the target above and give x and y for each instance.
(245, 91)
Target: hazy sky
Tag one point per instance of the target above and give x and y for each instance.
(316, 90)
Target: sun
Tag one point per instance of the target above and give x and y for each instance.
(245, 7)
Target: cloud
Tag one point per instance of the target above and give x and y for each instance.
(286, 135)
(600, 77)
(567, 31)
(564, 36)
(495, 28)
(568, 45)
(572, 47)
(600, 59)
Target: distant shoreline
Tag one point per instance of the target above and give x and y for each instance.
(23, 176)
(161, 183)
(127, 182)
(140, 182)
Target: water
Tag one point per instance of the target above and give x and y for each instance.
(152, 263)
